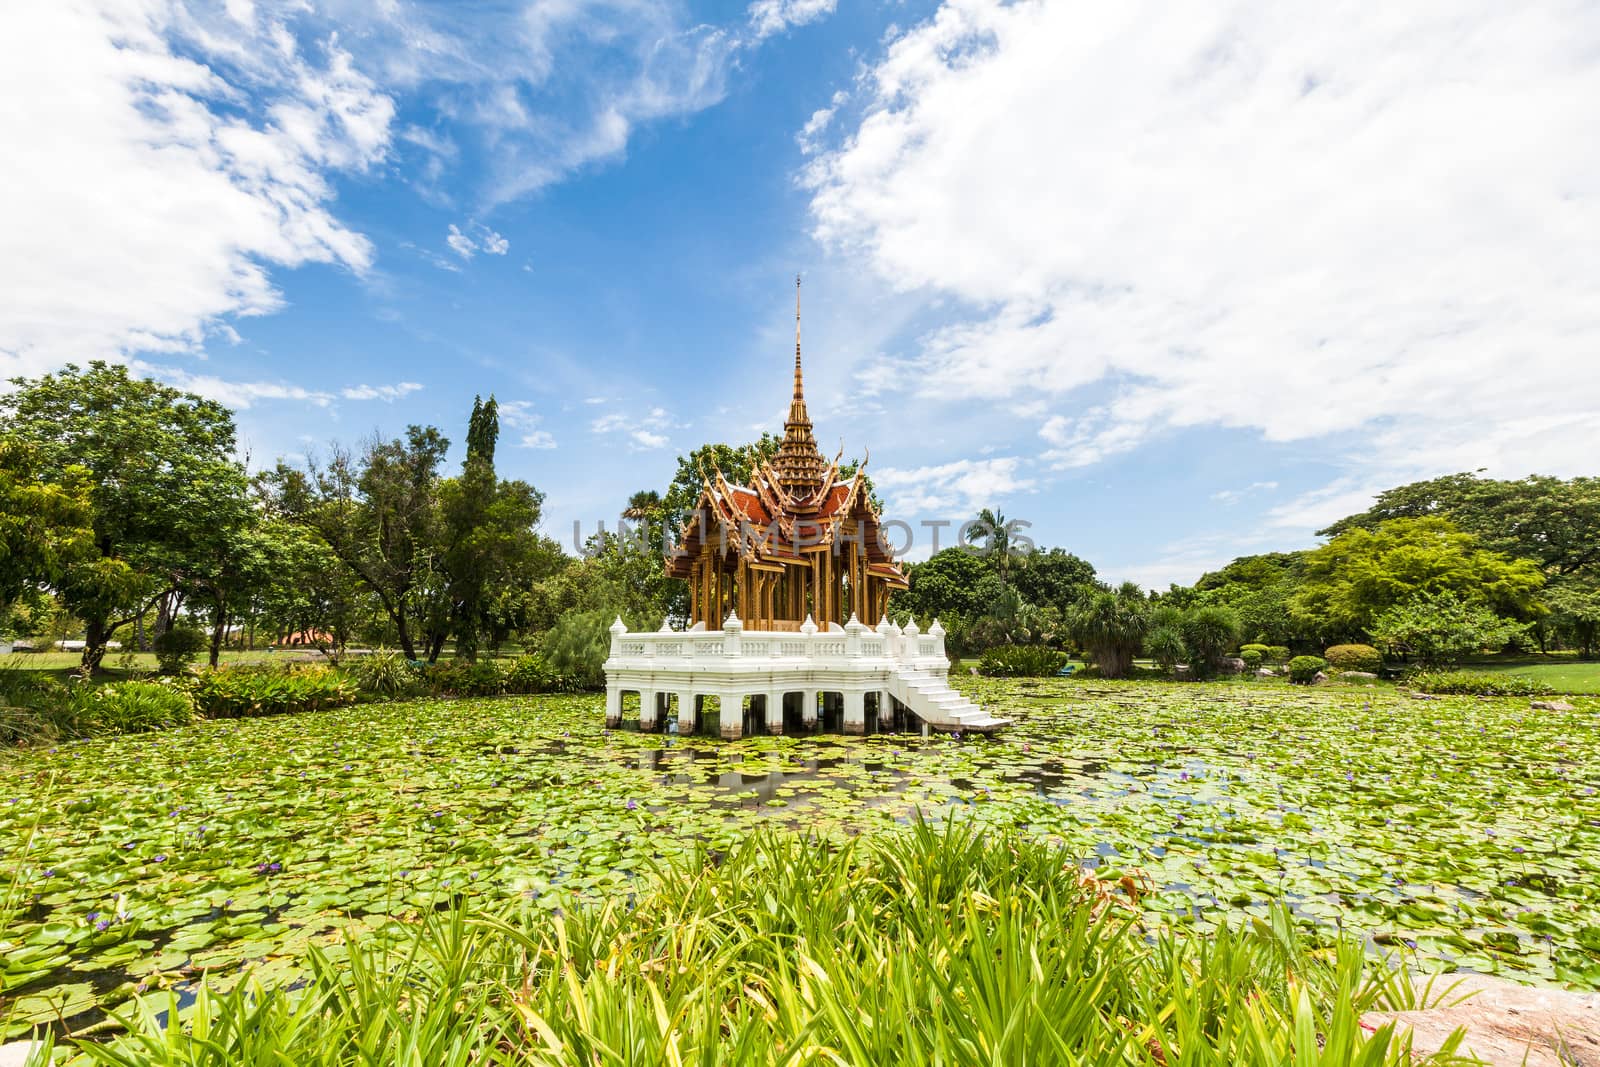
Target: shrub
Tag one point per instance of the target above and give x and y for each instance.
(533, 674)
(388, 675)
(1354, 658)
(1021, 661)
(1165, 645)
(1252, 657)
(1303, 669)
(132, 707)
(1469, 683)
(577, 647)
(1277, 654)
(465, 678)
(235, 692)
(1209, 633)
(1264, 651)
(177, 647)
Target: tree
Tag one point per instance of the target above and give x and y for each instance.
(1052, 578)
(998, 536)
(736, 462)
(1575, 613)
(944, 585)
(44, 525)
(379, 516)
(487, 538)
(1362, 573)
(1553, 521)
(1110, 626)
(1209, 633)
(151, 453)
(1441, 627)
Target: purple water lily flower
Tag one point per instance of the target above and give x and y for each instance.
(161, 857)
(632, 804)
(103, 924)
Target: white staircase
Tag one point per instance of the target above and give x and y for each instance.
(931, 699)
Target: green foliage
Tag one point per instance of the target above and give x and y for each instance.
(1303, 670)
(132, 707)
(944, 586)
(1574, 605)
(465, 678)
(1253, 657)
(1021, 661)
(577, 647)
(996, 945)
(162, 477)
(1110, 626)
(1051, 578)
(1258, 589)
(1278, 654)
(1478, 683)
(1354, 658)
(386, 675)
(238, 692)
(1166, 646)
(177, 647)
(1264, 651)
(534, 674)
(1552, 521)
(44, 524)
(1210, 633)
(1361, 574)
(1441, 628)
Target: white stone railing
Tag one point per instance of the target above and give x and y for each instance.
(679, 650)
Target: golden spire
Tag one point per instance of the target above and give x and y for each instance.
(798, 464)
(797, 390)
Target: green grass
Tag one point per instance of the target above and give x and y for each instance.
(928, 946)
(117, 663)
(1564, 674)
(1464, 826)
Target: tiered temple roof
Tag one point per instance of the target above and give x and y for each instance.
(798, 541)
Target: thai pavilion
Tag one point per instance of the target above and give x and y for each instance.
(789, 581)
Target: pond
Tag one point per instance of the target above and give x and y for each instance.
(1466, 829)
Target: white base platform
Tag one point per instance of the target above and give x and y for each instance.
(757, 674)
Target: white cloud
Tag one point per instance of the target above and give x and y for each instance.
(480, 239)
(1233, 496)
(642, 432)
(519, 415)
(144, 195)
(768, 17)
(388, 393)
(538, 439)
(646, 439)
(1294, 218)
(246, 394)
(949, 490)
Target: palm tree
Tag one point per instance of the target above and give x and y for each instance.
(1110, 626)
(645, 504)
(991, 526)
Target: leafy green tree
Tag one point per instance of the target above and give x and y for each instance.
(379, 515)
(1165, 645)
(1553, 521)
(1362, 573)
(1441, 627)
(1110, 627)
(1053, 578)
(736, 462)
(313, 593)
(487, 539)
(1575, 613)
(152, 454)
(943, 586)
(44, 525)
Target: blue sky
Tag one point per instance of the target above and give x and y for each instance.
(1172, 282)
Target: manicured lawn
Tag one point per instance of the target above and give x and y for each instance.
(1564, 674)
(1470, 828)
(142, 662)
